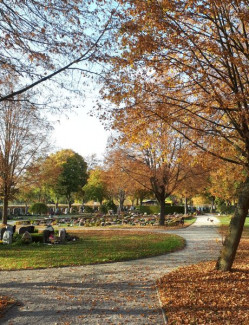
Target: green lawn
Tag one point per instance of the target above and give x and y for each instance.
(92, 247)
(189, 220)
(225, 220)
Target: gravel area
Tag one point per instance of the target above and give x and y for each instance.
(114, 293)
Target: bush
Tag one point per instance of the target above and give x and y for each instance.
(88, 209)
(39, 208)
(37, 237)
(103, 209)
(17, 239)
(226, 209)
(110, 205)
(155, 209)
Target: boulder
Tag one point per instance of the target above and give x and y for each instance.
(26, 238)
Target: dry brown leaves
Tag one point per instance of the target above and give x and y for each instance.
(198, 294)
(5, 303)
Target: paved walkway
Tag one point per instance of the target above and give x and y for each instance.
(115, 293)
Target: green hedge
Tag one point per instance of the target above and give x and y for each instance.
(38, 208)
(152, 209)
(226, 209)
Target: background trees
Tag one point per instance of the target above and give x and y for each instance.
(96, 188)
(23, 135)
(72, 178)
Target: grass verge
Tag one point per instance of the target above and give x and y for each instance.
(91, 248)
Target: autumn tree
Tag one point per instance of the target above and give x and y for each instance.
(157, 159)
(23, 135)
(225, 181)
(117, 181)
(186, 63)
(198, 180)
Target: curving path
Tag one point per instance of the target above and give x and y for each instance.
(115, 293)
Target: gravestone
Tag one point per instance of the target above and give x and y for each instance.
(62, 235)
(50, 228)
(46, 233)
(2, 232)
(30, 229)
(11, 228)
(26, 238)
(7, 237)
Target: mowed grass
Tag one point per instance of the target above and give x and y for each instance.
(225, 221)
(91, 248)
(189, 221)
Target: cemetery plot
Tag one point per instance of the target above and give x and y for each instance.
(99, 220)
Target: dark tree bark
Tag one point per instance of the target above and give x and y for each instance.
(5, 209)
(236, 226)
(185, 205)
(162, 212)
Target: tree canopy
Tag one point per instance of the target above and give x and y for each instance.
(185, 63)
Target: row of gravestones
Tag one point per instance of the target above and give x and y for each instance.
(49, 236)
(7, 232)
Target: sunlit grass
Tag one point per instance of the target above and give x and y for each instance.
(92, 247)
(225, 221)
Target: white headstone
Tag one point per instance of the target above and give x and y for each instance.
(7, 237)
(62, 235)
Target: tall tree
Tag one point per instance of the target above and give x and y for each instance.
(23, 135)
(186, 63)
(72, 177)
(156, 159)
(95, 189)
(117, 181)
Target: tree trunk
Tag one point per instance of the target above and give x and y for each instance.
(228, 252)
(5, 209)
(26, 208)
(121, 199)
(162, 212)
(212, 204)
(185, 205)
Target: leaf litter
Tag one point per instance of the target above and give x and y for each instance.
(199, 294)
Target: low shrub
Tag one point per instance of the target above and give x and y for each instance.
(88, 209)
(37, 237)
(38, 208)
(226, 209)
(155, 209)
